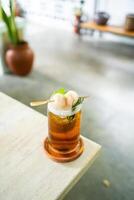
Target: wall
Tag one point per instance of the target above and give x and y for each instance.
(43, 10)
(64, 9)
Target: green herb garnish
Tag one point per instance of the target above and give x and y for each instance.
(70, 118)
(60, 91)
(79, 101)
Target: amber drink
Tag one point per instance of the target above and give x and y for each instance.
(64, 133)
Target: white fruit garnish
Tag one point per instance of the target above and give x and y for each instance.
(64, 101)
(59, 101)
(72, 97)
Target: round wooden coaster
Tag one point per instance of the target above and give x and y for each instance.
(60, 156)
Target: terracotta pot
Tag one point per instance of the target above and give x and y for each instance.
(19, 58)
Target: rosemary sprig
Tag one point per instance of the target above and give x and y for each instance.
(78, 102)
(70, 118)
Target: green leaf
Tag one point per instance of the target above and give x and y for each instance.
(8, 24)
(11, 29)
(5, 17)
(60, 91)
(13, 23)
(0, 14)
(11, 6)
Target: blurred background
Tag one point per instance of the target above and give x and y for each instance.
(87, 46)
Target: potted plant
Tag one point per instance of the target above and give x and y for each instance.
(77, 20)
(78, 17)
(18, 56)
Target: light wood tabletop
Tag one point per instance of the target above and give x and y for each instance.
(111, 29)
(26, 173)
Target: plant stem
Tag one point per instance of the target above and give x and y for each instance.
(16, 36)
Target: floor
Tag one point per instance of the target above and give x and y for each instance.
(104, 70)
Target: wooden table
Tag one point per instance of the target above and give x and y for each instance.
(110, 29)
(26, 173)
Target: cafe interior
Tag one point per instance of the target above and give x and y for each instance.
(85, 46)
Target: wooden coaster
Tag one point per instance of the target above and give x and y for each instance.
(63, 157)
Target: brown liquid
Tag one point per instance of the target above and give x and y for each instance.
(64, 132)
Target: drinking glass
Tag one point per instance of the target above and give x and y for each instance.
(64, 143)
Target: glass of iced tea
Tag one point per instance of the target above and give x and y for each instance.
(64, 143)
